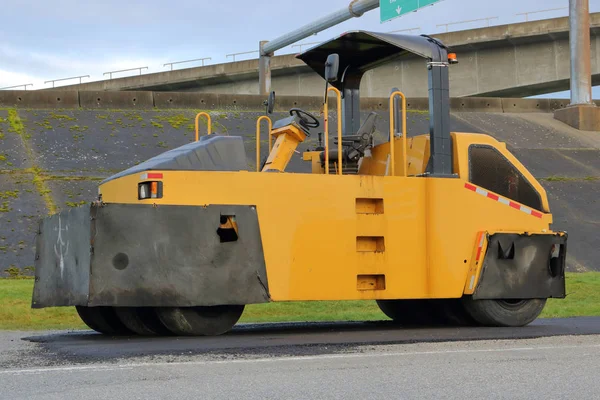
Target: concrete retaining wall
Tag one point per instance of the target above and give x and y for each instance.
(51, 99)
(102, 99)
(39, 99)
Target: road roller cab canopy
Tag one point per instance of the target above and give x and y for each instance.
(361, 51)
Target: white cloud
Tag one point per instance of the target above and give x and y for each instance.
(41, 67)
(10, 78)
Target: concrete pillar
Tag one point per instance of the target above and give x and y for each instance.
(579, 43)
(581, 114)
(264, 70)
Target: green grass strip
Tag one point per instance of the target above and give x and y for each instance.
(583, 299)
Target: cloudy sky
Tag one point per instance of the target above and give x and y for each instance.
(49, 39)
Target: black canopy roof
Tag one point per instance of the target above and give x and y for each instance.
(363, 50)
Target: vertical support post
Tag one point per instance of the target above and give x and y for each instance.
(351, 101)
(397, 111)
(439, 117)
(581, 113)
(579, 40)
(264, 70)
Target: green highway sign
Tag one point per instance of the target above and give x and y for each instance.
(390, 9)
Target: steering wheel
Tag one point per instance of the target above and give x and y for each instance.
(305, 118)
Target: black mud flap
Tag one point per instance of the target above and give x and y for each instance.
(141, 255)
(522, 266)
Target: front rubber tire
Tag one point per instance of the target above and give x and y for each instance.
(200, 321)
(141, 320)
(408, 312)
(505, 313)
(103, 320)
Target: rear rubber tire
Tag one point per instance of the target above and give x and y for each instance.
(408, 312)
(200, 321)
(103, 320)
(451, 312)
(505, 313)
(141, 320)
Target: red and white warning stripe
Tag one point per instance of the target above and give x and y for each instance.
(502, 200)
(151, 175)
(479, 250)
(480, 246)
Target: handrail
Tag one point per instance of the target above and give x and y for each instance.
(526, 14)
(208, 121)
(12, 87)
(124, 70)
(339, 126)
(392, 130)
(187, 61)
(487, 19)
(67, 79)
(258, 121)
(239, 54)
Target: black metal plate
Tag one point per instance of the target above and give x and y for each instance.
(172, 256)
(62, 266)
(521, 273)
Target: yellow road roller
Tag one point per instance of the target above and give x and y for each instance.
(445, 227)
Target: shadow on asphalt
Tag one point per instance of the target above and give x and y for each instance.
(295, 338)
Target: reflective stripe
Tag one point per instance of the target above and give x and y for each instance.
(502, 200)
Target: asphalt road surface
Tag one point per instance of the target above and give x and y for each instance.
(548, 368)
(551, 359)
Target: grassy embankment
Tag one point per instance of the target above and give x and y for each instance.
(16, 314)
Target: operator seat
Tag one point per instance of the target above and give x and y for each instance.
(354, 146)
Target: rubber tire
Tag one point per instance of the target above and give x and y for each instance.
(501, 313)
(451, 312)
(142, 321)
(200, 321)
(408, 312)
(103, 320)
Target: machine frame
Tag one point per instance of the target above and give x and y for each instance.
(191, 235)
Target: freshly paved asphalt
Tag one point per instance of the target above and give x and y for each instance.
(558, 367)
(295, 338)
(551, 358)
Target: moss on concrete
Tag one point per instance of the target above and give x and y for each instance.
(17, 126)
(9, 194)
(558, 178)
(62, 117)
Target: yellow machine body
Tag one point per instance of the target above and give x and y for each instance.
(447, 225)
(366, 236)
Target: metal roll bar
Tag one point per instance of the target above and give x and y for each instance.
(392, 130)
(339, 127)
(208, 121)
(258, 121)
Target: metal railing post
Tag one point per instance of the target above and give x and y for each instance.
(406, 30)
(487, 19)
(392, 132)
(526, 14)
(239, 54)
(67, 79)
(208, 122)
(187, 61)
(300, 45)
(339, 127)
(18, 86)
(258, 121)
(110, 73)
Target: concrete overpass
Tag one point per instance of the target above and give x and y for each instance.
(515, 60)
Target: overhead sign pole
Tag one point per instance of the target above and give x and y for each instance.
(390, 9)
